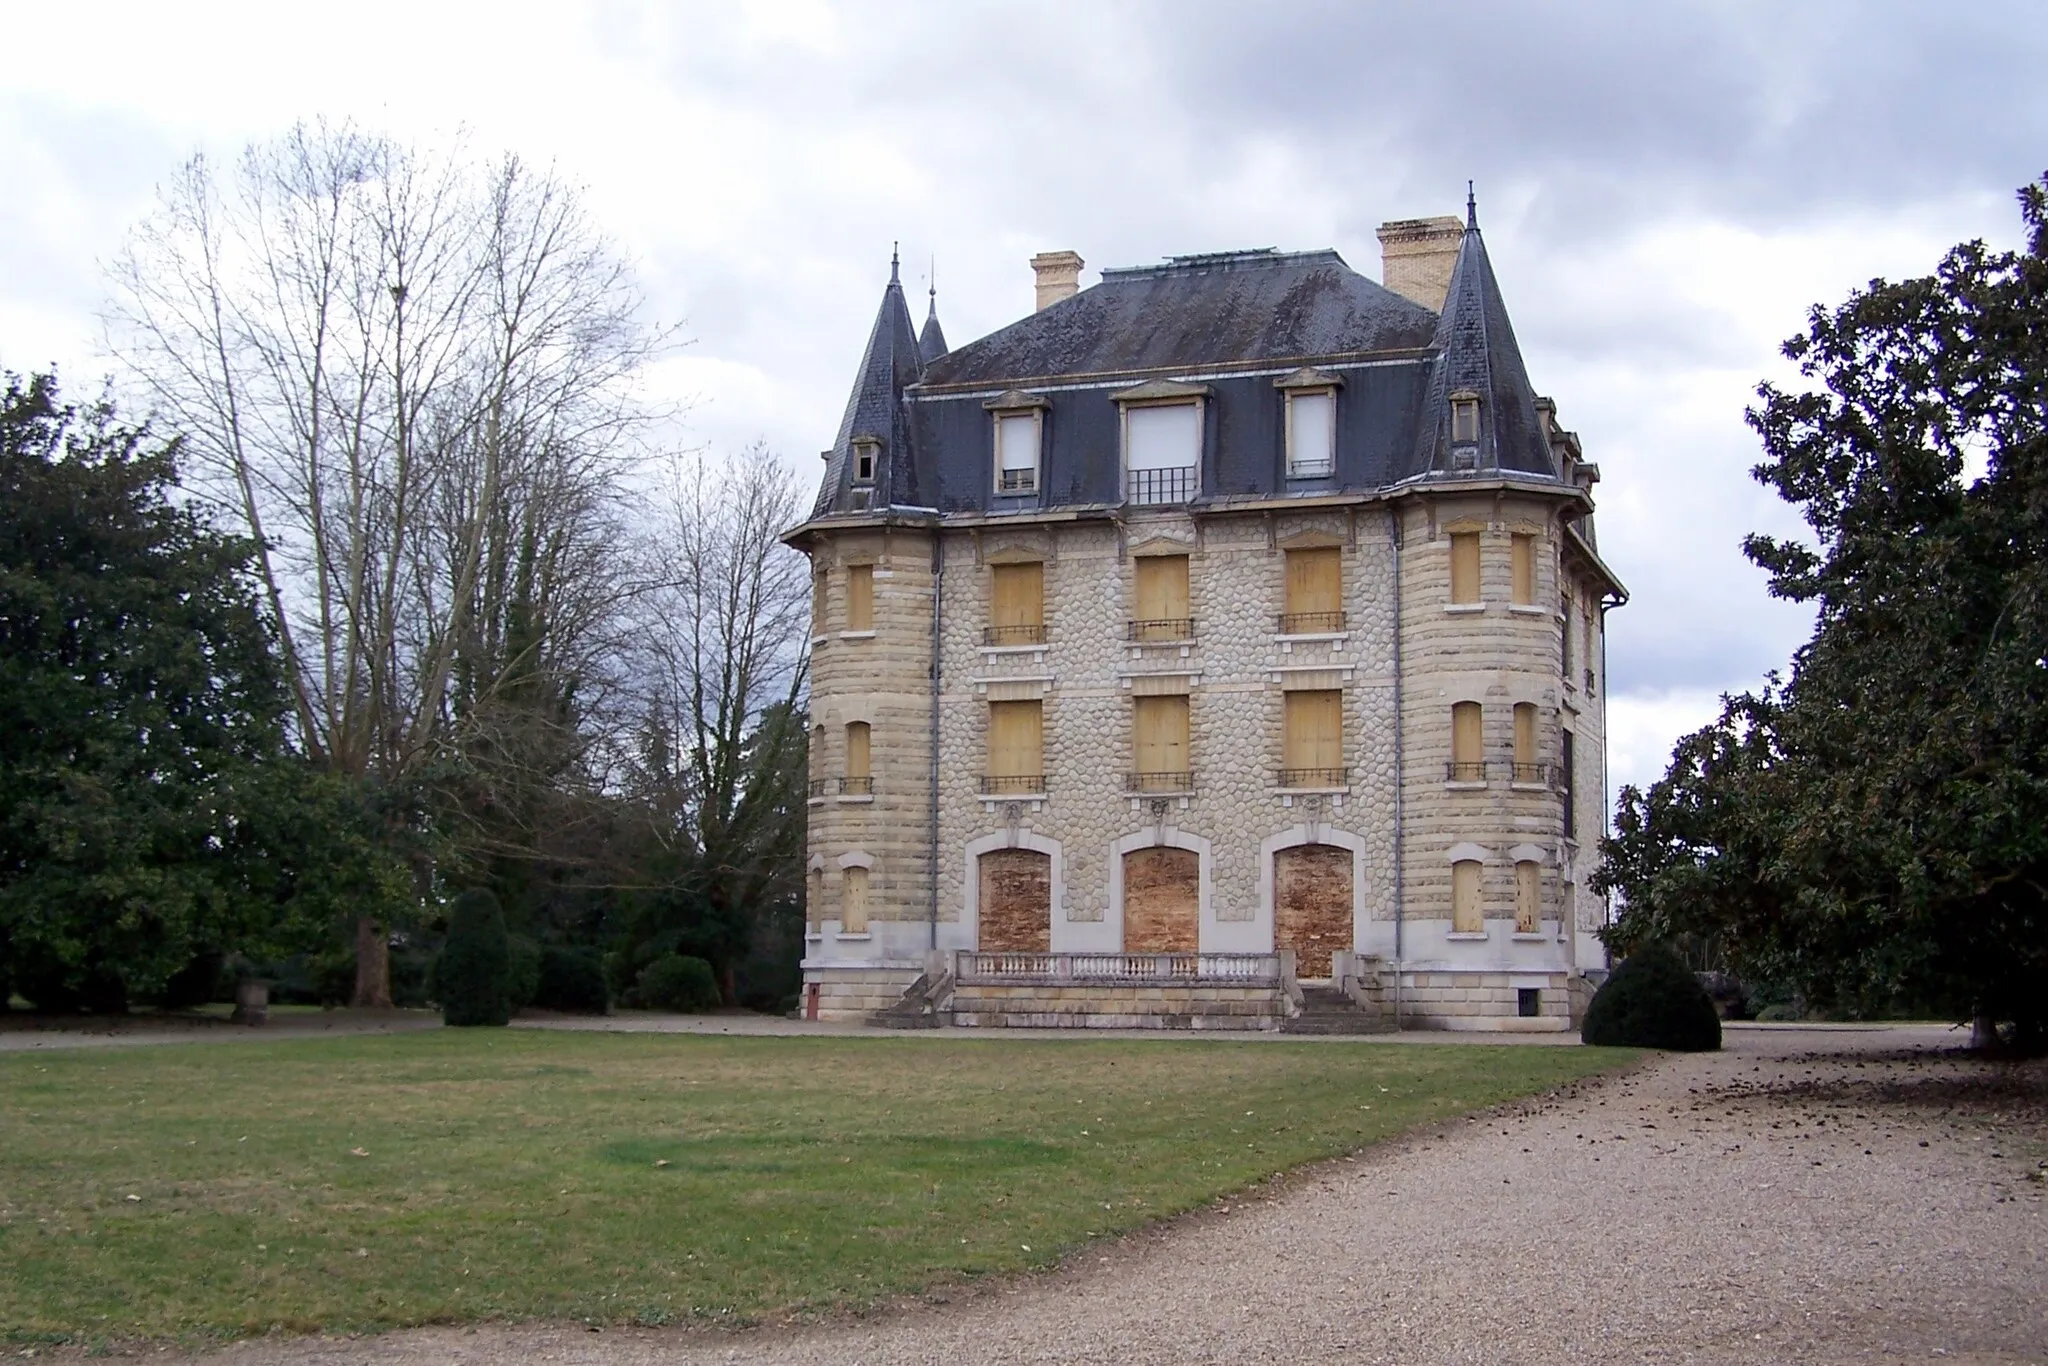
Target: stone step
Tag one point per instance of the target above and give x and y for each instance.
(1326, 1010)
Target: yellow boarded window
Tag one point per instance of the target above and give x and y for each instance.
(1464, 566)
(1525, 740)
(814, 899)
(1528, 888)
(860, 597)
(1016, 739)
(1468, 741)
(1162, 597)
(1160, 736)
(1315, 590)
(1467, 915)
(854, 915)
(857, 749)
(818, 601)
(1525, 569)
(1017, 603)
(1313, 735)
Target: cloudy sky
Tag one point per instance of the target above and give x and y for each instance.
(1665, 189)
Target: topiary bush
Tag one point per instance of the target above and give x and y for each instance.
(474, 974)
(676, 982)
(525, 980)
(1653, 1001)
(571, 980)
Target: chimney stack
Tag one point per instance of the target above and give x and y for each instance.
(1417, 255)
(1059, 276)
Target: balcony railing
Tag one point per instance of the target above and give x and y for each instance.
(857, 787)
(1011, 784)
(822, 787)
(1161, 780)
(1310, 623)
(1110, 968)
(1311, 469)
(1538, 774)
(1172, 485)
(1160, 628)
(1018, 481)
(1312, 777)
(1465, 771)
(1013, 635)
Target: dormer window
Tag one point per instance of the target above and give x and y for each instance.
(1311, 418)
(1464, 418)
(1019, 442)
(867, 452)
(1162, 441)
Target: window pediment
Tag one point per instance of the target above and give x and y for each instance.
(1308, 377)
(1162, 391)
(1016, 401)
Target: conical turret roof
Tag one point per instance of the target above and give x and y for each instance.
(1477, 355)
(875, 407)
(931, 343)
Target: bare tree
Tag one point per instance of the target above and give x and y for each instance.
(723, 654)
(412, 380)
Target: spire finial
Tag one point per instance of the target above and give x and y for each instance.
(1471, 208)
(933, 281)
(894, 262)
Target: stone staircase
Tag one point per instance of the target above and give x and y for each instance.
(924, 1005)
(1327, 1010)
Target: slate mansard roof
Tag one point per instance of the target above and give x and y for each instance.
(1232, 322)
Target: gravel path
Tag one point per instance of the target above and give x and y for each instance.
(1806, 1195)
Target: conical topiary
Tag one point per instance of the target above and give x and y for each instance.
(1653, 1001)
(474, 976)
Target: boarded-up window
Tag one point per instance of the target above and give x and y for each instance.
(1525, 743)
(1569, 610)
(1311, 434)
(1017, 604)
(1467, 915)
(1162, 599)
(1315, 591)
(1528, 891)
(1016, 740)
(1464, 566)
(1162, 900)
(1567, 782)
(818, 603)
(1524, 569)
(1312, 905)
(854, 914)
(860, 597)
(1312, 739)
(1468, 743)
(814, 899)
(1015, 903)
(1159, 743)
(857, 750)
(1592, 657)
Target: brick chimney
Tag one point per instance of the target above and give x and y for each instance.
(1059, 276)
(1416, 257)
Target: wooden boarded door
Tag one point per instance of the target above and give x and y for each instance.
(1016, 901)
(1312, 905)
(1162, 901)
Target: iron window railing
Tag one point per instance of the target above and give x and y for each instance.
(1161, 628)
(1175, 484)
(1465, 771)
(1311, 469)
(857, 787)
(821, 787)
(1006, 784)
(1532, 773)
(1310, 623)
(1312, 777)
(1160, 780)
(1017, 481)
(1013, 635)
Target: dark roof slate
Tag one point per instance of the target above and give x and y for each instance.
(931, 343)
(1250, 306)
(1476, 352)
(875, 408)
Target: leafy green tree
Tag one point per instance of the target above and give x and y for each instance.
(1873, 830)
(474, 976)
(151, 811)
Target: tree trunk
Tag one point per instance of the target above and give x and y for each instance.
(373, 966)
(1983, 1032)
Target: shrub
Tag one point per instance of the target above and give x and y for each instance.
(474, 975)
(570, 980)
(674, 982)
(525, 979)
(1653, 1001)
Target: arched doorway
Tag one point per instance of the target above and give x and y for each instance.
(1162, 900)
(1312, 898)
(1015, 901)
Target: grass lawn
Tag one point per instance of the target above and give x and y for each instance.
(204, 1190)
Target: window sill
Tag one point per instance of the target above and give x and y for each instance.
(1039, 648)
(1464, 609)
(843, 936)
(814, 801)
(1528, 787)
(814, 936)
(860, 799)
(1309, 791)
(819, 638)
(1466, 936)
(1310, 637)
(1528, 609)
(1466, 787)
(856, 635)
(1520, 938)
